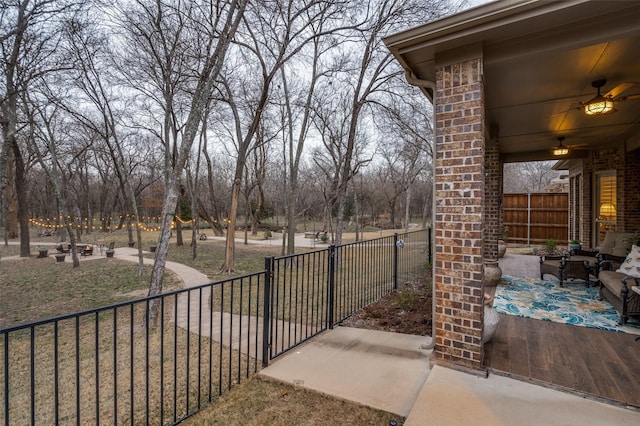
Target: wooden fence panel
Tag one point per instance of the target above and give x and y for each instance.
(536, 218)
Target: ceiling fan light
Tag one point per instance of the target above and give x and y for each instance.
(560, 150)
(599, 105)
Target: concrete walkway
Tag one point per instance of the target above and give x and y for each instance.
(375, 368)
(391, 372)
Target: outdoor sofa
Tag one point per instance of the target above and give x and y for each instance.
(604, 263)
(620, 283)
(615, 245)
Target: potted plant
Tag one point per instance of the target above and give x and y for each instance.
(549, 246)
(574, 245)
(633, 239)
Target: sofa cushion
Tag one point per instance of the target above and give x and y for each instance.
(631, 265)
(614, 243)
(612, 280)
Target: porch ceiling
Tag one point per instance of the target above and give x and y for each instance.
(540, 59)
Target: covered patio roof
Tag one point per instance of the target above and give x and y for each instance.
(540, 59)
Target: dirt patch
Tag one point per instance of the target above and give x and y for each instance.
(406, 310)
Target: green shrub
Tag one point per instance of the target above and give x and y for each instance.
(405, 299)
(550, 245)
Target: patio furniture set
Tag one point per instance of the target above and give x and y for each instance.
(615, 267)
(84, 250)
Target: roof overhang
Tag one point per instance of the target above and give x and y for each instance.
(540, 59)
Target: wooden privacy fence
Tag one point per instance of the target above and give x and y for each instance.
(536, 218)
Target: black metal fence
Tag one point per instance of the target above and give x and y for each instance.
(110, 365)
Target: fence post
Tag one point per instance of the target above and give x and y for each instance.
(395, 261)
(266, 336)
(332, 283)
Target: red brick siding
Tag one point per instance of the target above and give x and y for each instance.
(459, 211)
(493, 200)
(630, 194)
(627, 166)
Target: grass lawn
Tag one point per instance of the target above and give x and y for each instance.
(34, 289)
(263, 402)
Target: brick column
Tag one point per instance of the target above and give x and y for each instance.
(493, 200)
(459, 212)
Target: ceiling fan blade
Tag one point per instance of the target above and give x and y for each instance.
(630, 97)
(620, 88)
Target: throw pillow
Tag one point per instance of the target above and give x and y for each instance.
(631, 265)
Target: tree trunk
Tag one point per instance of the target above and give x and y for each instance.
(258, 213)
(162, 250)
(129, 229)
(229, 262)
(392, 213)
(10, 197)
(21, 195)
(340, 219)
(291, 217)
(407, 209)
(179, 239)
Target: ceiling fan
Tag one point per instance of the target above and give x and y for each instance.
(605, 104)
(561, 149)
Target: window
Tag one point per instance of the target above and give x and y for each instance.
(606, 206)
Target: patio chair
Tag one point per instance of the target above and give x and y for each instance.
(564, 268)
(615, 244)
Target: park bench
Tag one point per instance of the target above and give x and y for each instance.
(316, 235)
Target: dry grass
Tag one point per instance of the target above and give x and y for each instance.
(194, 370)
(261, 402)
(38, 288)
(34, 289)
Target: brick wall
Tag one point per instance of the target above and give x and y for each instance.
(493, 200)
(631, 192)
(460, 196)
(627, 166)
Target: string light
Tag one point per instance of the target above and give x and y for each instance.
(70, 221)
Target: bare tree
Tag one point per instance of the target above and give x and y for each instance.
(96, 110)
(46, 129)
(298, 105)
(272, 35)
(528, 177)
(371, 70)
(29, 35)
(226, 24)
(404, 125)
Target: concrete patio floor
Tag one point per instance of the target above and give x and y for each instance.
(391, 372)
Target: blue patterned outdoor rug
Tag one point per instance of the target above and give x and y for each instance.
(572, 304)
